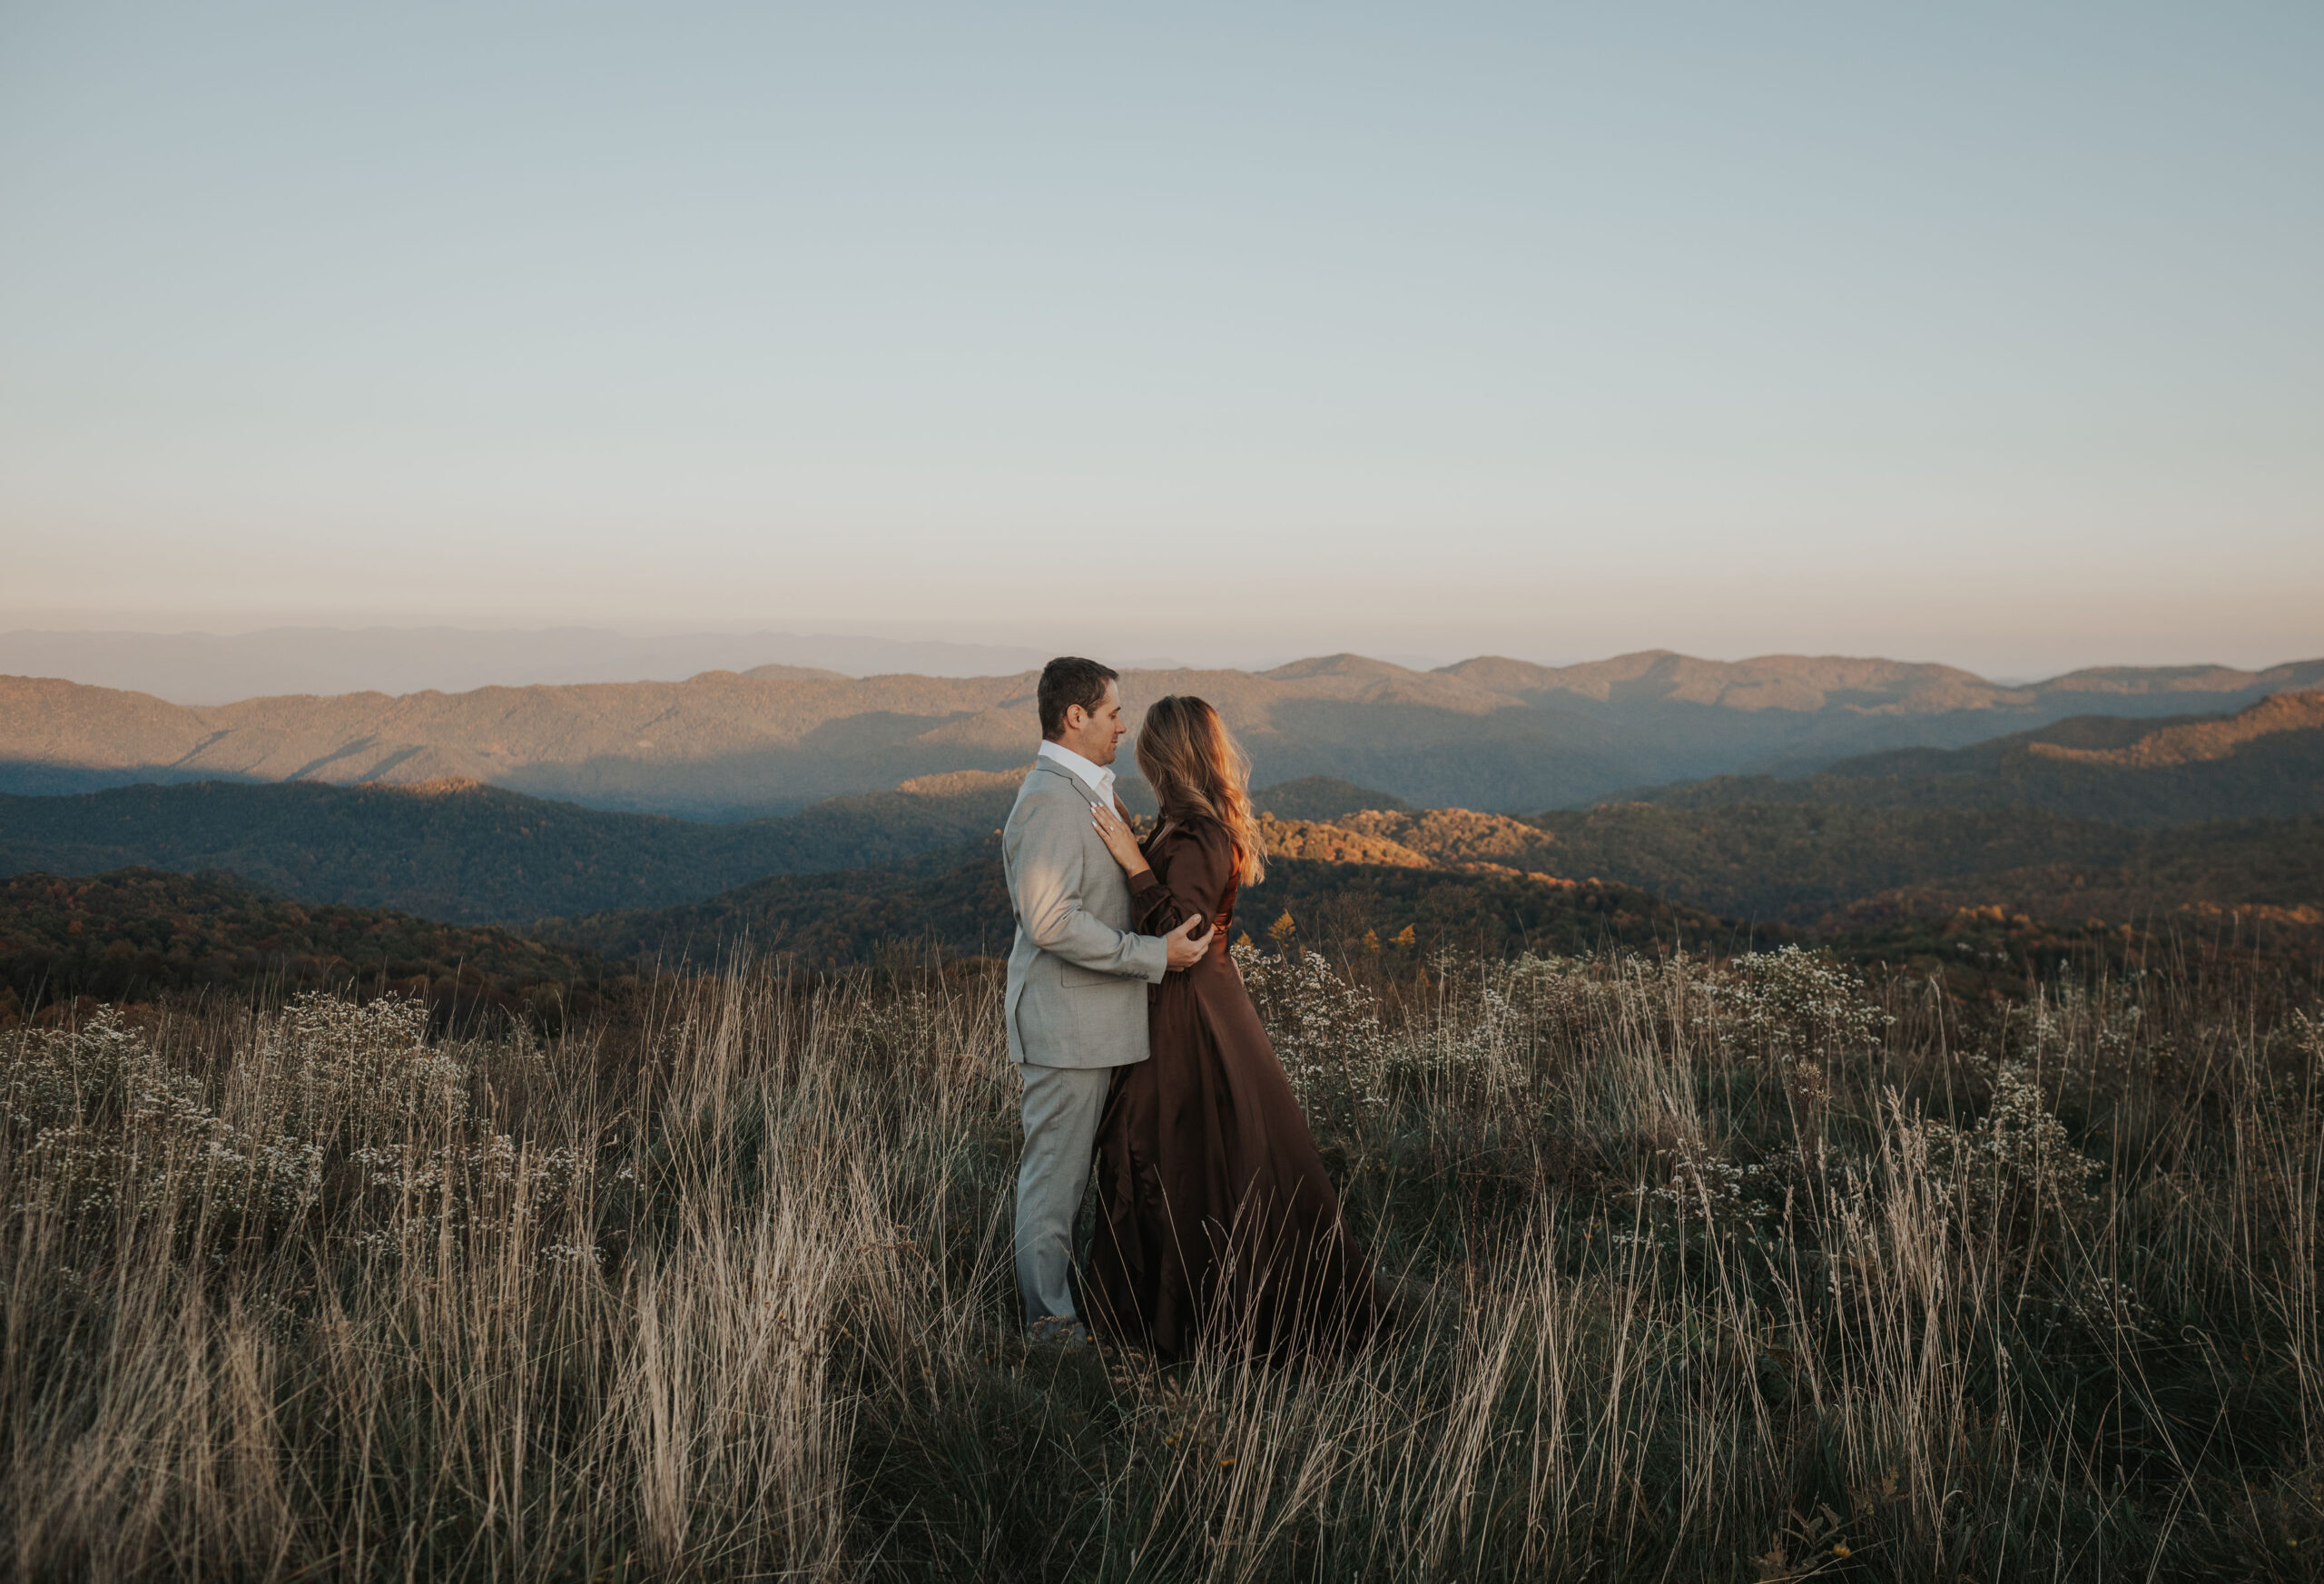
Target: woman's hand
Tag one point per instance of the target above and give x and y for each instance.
(1118, 839)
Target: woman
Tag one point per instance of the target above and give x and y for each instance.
(1216, 1219)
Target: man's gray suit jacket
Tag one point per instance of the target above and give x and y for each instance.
(1077, 972)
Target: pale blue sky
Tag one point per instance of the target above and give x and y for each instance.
(1980, 334)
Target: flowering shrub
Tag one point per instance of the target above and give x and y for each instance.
(333, 1102)
(2105, 1309)
(1707, 1192)
(2105, 1022)
(425, 1183)
(2020, 1156)
(1790, 1004)
(1483, 1038)
(100, 1122)
(1325, 1031)
(1794, 1010)
(1559, 996)
(340, 1069)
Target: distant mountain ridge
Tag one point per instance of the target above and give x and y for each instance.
(1491, 734)
(2265, 761)
(214, 668)
(1800, 682)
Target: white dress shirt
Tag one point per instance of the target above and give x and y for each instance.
(1096, 777)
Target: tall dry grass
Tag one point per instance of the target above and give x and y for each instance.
(1744, 1272)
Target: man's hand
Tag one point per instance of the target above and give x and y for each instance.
(1185, 949)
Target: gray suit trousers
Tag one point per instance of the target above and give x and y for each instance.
(1062, 1106)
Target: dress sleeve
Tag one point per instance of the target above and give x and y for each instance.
(1191, 872)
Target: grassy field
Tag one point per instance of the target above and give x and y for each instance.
(1744, 1271)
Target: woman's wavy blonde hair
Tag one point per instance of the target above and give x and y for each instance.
(1198, 770)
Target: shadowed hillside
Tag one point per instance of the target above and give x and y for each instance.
(723, 745)
(473, 853)
(476, 854)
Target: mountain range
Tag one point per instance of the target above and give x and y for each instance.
(2005, 823)
(2087, 820)
(1488, 733)
(2263, 760)
(214, 668)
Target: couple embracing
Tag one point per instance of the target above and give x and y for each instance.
(1138, 1046)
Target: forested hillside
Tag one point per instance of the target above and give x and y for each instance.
(140, 933)
(1809, 864)
(472, 853)
(1806, 863)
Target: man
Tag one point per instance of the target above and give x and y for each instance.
(1075, 1005)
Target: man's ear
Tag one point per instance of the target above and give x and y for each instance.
(1076, 717)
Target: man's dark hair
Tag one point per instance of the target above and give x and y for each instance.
(1067, 681)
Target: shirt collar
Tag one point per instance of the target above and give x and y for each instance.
(1096, 777)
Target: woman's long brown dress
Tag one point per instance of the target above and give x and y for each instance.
(1216, 1221)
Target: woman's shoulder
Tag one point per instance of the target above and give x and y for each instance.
(1200, 830)
(1201, 840)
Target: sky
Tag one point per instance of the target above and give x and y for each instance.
(1980, 334)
